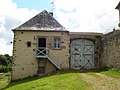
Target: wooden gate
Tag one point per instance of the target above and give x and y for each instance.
(82, 53)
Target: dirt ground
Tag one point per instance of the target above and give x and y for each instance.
(101, 82)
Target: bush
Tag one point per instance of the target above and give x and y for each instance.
(115, 69)
(5, 63)
(4, 68)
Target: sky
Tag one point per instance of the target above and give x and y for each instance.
(75, 15)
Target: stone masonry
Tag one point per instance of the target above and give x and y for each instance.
(110, 49)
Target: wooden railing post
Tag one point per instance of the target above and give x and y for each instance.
(43, 52)
(47, 52)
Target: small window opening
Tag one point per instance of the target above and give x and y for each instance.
(28, 44)
(57, 43)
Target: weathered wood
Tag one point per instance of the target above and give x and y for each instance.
(82, 53)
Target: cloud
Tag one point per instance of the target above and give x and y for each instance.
(87, 15)
(11, 17)
(74, 15)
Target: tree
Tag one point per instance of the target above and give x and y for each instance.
(5, 63)
(3, 60)
(9, 58)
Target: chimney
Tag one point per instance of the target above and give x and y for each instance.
(51, 13)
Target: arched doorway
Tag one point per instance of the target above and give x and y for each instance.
(82, 53)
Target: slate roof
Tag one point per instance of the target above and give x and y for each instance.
(43, 21)
(118, 6)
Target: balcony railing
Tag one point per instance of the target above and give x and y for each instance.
(43, 52)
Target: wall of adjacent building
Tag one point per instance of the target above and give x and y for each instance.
(25, 63)
(110, 52)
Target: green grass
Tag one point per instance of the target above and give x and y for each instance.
(62, 80)
(112, 73)
(3, 81)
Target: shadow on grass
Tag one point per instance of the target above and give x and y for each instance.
(66, 71)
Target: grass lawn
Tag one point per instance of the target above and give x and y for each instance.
(112, 73)
(61, 80)
(3, 81)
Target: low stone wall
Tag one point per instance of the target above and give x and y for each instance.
(110, 49)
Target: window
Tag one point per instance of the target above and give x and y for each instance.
(28, 44)
(57, 43)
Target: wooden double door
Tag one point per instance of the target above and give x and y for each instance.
(82, 53)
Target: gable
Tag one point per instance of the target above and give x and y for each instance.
(42, 21)
(118, 6)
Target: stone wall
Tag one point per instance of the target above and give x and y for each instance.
(110, 49)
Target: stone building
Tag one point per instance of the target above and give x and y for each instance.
(118, 8)
(42, 45)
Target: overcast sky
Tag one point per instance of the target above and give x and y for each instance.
(74, 15)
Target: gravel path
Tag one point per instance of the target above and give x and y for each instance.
(101, 82)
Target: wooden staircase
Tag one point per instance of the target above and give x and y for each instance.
(42, 52)
(41, 65)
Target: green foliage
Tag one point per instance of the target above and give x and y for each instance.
(4, 68)
(5, 63)
(3, 60)
(8, 58)
(112, 72)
